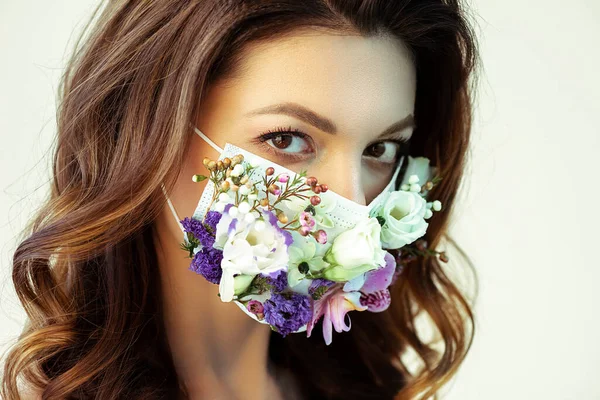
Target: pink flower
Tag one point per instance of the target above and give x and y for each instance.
(320, 236)
(380, 278)
(333, 307)
(283, 178)
(256, 308)
(306, 219)
(376, 301)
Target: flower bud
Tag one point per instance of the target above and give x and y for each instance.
(274, 189)
(226, 162)
(235, 160)
(311, 181)
(443, 257)
(211, 165)
(283, 178)
(282, 218)
(421, 244)
(219, 165)
(320, 236)
(316, 189)
(225, 185)
(270, 171)
(244, 207)
(264, 202)
(315, 200)
(244, 179)
(324, 187)
(244, 190)
(304, 230)
(255, 307)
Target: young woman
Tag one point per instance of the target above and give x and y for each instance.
(338, 88)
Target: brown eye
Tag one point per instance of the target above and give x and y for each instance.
(375, 150)
(383, 152)
(282, 141)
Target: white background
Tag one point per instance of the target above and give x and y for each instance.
(529, 218)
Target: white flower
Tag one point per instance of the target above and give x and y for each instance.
(418, 166)
(247, 250)
(237, 170)
(303, 251)
(404, 214)
(244, 190)
(355, 251)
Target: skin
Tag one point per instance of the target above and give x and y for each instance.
(363, 85)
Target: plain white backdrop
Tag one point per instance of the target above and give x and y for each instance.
(528, 218)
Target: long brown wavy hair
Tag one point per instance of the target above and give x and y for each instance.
(86, 269)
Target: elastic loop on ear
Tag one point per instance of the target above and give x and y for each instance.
(162, 186)
(210, 142)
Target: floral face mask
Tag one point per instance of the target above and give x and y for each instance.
(288, 251)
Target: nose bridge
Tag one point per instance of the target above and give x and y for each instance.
(342, 172)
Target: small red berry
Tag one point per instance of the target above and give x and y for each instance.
(311, 181)
(315, 200)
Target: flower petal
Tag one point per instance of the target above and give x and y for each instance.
(376, 301)
(381, 278)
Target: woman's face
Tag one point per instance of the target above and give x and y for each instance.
(339, 107)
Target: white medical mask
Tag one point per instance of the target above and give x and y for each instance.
(346, 213)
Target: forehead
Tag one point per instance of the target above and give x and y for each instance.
(353, 80)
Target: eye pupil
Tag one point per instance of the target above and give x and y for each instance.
(282, 141)
(376, 150)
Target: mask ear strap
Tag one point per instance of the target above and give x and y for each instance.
(162, 186)
(210, 142)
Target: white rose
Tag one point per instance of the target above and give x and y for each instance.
(355, 251)
(248, 250)
(404, 219)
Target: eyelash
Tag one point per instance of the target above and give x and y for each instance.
(281, 130)
(271, 134)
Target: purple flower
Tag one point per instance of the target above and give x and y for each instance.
(287, 313)
(205, 230)
(380, 278)
(192, 225)
(277, 279)
(274, 221)
(376, 301)
(207, 262)
(212, 219)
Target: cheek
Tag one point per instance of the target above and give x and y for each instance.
(374, 179)
(186, 193)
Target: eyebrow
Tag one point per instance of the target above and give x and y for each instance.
(326, 125)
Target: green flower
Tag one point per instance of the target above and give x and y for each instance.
(303, 260)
